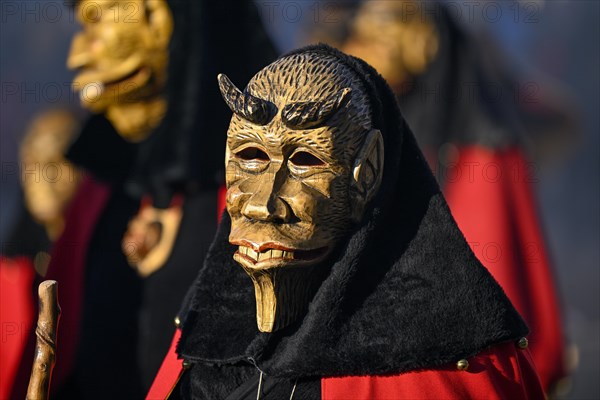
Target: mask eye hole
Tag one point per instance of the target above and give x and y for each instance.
(306, 159)
(252, 154)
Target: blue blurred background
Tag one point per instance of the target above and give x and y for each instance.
(545, 41)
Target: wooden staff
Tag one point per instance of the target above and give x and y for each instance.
(45, 348)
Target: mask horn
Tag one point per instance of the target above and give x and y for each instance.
(243, 104)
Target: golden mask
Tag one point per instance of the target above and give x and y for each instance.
(302, 162)
(49, 180)
(122, 55)
(396, 37)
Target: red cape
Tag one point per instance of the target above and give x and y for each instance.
(67, 267)
(16, 317)
(490, 195)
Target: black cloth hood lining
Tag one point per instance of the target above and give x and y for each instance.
(209, 37)
(405, 292)
(100, 150)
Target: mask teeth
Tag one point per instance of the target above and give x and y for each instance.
(266, 255)
(252, 254)
(287, 254)
(276, 253)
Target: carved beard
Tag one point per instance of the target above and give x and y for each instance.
(283, 294)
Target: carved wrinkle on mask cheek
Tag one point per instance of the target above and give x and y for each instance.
(236, 198)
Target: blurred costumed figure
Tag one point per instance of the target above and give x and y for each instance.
(475, 128)
(338, 271)
(49, 182)
(139, 226)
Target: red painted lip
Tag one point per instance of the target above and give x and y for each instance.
(263, 246)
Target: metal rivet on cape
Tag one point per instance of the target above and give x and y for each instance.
(177, 321)
(186, 364)
(462, 365)
(523, 343)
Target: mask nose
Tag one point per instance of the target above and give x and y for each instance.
(266, 205)
(79, 55)
(267, 211)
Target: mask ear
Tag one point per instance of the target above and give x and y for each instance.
(160, 20)
(367, 173)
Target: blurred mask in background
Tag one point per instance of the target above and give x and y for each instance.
(122, 57)
(395, 37)
(49, 180)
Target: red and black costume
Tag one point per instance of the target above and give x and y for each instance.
(404, 299)
(467, 113)
(27, 244)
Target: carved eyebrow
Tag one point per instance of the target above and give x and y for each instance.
(310, 114)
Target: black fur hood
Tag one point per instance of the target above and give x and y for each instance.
(405, 292)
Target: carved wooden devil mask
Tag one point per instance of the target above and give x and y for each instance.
(302, 163)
